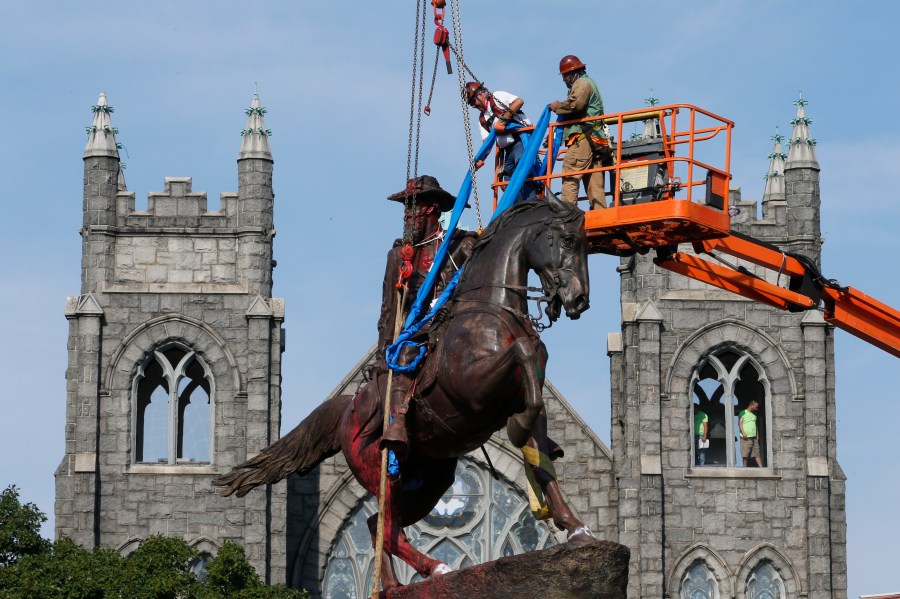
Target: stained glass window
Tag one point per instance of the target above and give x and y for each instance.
(199, 566)
(478, 519)
(699, 583)
(765, 583)
(341, 576)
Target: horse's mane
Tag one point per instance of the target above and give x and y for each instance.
(565, 213)
(558, 211)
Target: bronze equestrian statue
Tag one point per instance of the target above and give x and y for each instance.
(484, 370)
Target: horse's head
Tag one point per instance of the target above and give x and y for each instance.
(559, 255)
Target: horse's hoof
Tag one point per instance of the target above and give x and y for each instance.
(581, 533)
(517, 434)
(440, 569)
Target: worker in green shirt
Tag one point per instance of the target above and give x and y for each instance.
(749, 436)
(701, 434)
(587, 143)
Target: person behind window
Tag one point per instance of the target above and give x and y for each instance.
(701, 436)
(749, 436)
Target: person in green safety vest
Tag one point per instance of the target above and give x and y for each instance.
(701, 436)
(587, 143)
(749, 434)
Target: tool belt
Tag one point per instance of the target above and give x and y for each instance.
(600, 146)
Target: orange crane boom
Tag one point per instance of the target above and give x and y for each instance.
(844, 307)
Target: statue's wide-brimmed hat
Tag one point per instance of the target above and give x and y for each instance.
(426, 190)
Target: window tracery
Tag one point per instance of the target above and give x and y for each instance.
(724, 386)
(478, 519)
(173, 408)
(765, 583)
(699, 583)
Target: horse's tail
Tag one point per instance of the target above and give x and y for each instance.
(313, 440)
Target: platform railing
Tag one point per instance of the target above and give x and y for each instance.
(686, 150)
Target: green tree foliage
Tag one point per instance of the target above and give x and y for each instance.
(230, 573)
(20, 527)
(33, 568)
(160, 568)
(64, 571)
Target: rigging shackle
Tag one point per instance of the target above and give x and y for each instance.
(441, 35)
(406, 268)
(403, 273)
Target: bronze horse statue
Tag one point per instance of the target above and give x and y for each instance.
(485, 370)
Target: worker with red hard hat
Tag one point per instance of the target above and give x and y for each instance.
(587, 143)
(497, 110)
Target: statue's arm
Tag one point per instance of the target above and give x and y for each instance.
(463, 248)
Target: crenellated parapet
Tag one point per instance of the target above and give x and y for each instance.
(177, 206)
(177, 245)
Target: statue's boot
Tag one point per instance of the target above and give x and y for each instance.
(396, 437)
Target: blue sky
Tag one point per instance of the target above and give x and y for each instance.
(335, 79)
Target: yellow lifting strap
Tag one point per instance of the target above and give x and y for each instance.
(534, 458)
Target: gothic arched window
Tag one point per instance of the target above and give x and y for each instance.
(699, 583)
(728, 388)
(764, 583)
(173, 408)
(478, 519)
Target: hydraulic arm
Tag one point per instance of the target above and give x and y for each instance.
(798, 285)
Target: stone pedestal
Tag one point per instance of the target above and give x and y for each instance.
(592, 569)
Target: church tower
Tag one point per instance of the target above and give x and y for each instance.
(174, 367)
(702, 522)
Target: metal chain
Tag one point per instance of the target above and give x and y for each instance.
(437, 55)
(465, 66)
(415, 118)
(461, 68)
(412, 91)
(418, 108)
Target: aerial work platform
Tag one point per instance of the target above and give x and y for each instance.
(669, 185)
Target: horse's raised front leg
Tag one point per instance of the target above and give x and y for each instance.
(541, 471)
(388, 575)
(518, 426)
(396, 542)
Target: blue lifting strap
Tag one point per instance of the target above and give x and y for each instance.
(524, 169)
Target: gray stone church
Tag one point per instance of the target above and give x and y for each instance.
(174, 376)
